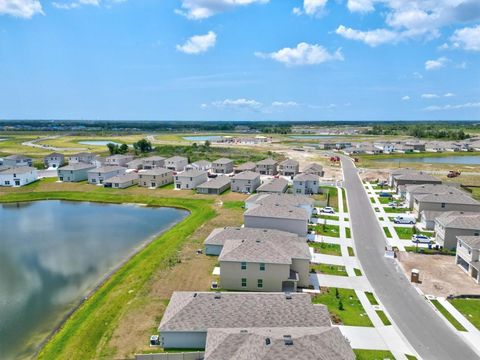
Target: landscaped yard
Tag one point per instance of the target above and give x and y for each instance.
(327, 230)
(329, 217)
(358, 272)
(387, 232)
(329, 269)
(395, 210)
(350, 251)
(470, 308)
(344, 306)
(448, 316)
(422, 250)
(326, 248)
(345, 204)
(383, 317)
(348, 232)
(371, 298)
(331, 193)
(373, 354)
(406, 233)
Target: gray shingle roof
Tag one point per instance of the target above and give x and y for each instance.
(274, 185)
(289, 162)
(246, 175)
(453, 197)
(268, 161)
(122, 178)
(202, 163)
(267, 250)
(191, 311)
(306, 177)
(156, 171)
(77, 166)
(460, 220)
(18, 170)
(106, 169)
(472, 241)
(192, 173)
(278, 211)
(281, 199)
(222, 161)
(17, 157)
(216, 183)
(313, 167)
(309, 343)
(417, 176)
(428, 188)
(246, 166)
(219, 235)
(176, 158)
(153, 158)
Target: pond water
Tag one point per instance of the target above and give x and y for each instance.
(52, 253)
(202, 138)
(311, 137)
(97, 142)
(459, 160)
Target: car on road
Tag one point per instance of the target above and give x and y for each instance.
(422, 239)
(404, 219)
(327, 210)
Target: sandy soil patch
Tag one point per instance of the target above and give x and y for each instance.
(439, 274)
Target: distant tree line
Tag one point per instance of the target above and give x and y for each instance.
(431, 131)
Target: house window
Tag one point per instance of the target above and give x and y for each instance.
(262, 267)
(260, 283)
(443, 205)
(244, 265)
(244, 282)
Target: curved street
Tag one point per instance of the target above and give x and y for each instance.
(430, 336)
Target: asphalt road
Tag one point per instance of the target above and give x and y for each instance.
(423, 328)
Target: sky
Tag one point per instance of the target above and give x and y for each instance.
(240, 59)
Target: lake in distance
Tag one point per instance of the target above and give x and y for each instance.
(202, 138)
(458, 160)
(52, 253)
(97, 142)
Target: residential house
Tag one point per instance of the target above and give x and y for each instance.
(285, 218)
(413, 189)
(203, 165)
(99, 175)
(99, 161)
(74, 172)
(428, 217)
(246, 182)
(266, 264)
(416, 146)
(190, 179)
(248, 166)
(215, 186)
(176, 163)
(189, 315)
(54, 160)
(222, 166)
(118, 160)
(385, 147)
(152, 162)
(306, 343)
(314, 168)
(468, 256)
(455, 200)
(278, 186)
(18, 176)
(267, 167)
(215, 241)
(306, 184)
(451, 224)
(122, 181)
(17, 161)
(135, 164)
(155, 178)
(410, 177)
(289, 167)
(302, 201)
(83, 157)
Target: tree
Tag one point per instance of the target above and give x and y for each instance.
(340, 305)
(337, 295)
(123, 149)
(207, 144)
(143, 146)
(112, 148)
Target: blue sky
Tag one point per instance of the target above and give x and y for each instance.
(240, 59)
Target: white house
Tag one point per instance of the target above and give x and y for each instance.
(18, 176)
(306, 184)
(190, 179)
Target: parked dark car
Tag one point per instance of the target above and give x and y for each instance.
(384, 194)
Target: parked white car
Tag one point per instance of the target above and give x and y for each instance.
(327, 210)
(404, 219)
(420, 238)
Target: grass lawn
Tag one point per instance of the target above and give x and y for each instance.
(387, 232)
(406, 233)
(348, 232)
(384, 200)
(383, 317)
(326, 248)
(395, 210)
(470, 308)
(373, 354)
(372, 200)
(448, 316)
(344, 197)
(328, 230)
(358, 272)
(353, 313)
(329, 217)
(371, 298)
(350, 251)
(429, 251)
(331, 196)
(329, 269)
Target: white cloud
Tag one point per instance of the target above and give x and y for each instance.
(362, 6)
(199, 43)
(449, 94)
(241, 103)
(466, 38)
(311, 8)
(370, 37)
(302, 54)
(453, 107)
(417, 75)
(284, 104)
(429, 96)
(70, 5)
(20, 8)
(202, 9)
(436, 64)
(406, 98)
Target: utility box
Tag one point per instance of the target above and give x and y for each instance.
(415, 277)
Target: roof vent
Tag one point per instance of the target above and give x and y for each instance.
(268, 341)
(258, 241)
(243, 331)
(195, 295)
(288, 340)
(218, 295)
(288, 296)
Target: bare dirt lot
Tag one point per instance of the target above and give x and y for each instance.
(439, 274)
